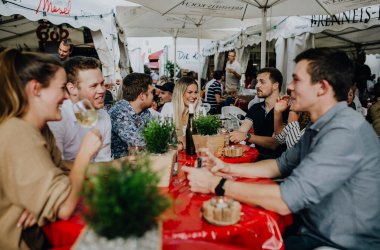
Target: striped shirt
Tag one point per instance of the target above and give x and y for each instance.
(214, 89)
(290, 134)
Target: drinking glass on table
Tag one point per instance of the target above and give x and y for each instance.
(86, 114)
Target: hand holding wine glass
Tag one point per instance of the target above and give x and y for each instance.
(86, 114)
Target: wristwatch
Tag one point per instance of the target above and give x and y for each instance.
(219, 189)
(248, 137)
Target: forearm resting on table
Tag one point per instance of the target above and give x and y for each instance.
(267, 196)
(264, 141)
(261, 169)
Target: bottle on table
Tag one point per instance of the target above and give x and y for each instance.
(190, 130)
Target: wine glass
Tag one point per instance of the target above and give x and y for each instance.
(86, 114)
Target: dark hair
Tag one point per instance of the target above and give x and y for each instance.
(134, 84)
(68, 42)
(331, 65)
(274, 75)
(17, 69)
(74, 64)
(218, 74)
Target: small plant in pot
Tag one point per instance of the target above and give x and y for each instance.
(123, 206)
(207, 127)
(157, 136)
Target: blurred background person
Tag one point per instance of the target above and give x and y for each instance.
(166, 92)
(65, 49)
(233, 72)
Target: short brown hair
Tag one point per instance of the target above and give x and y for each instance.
(74, 64)
(68, 42)
(134, 84)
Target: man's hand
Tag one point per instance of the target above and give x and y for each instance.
(237, 136)
(201, 180)
(215, 165)
(281, 104)
(26, 220)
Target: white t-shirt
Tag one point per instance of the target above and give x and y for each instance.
(69, 134)
(232, 82)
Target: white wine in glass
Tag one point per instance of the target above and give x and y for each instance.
(86, 114)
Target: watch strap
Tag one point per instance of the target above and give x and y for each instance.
(219, 189)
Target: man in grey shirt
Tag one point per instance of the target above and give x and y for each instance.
(332, 173)
(233, 72)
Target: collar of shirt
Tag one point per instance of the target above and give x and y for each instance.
(324, 119)
(262, 104)
(67, 107)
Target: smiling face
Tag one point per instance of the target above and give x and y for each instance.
(53, 96)
(91, 87)
(304, 93)
(165, 96)
(191, 94)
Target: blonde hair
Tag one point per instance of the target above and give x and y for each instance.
(178, 103)
(17, 69)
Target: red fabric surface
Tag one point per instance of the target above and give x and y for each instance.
(186, 229)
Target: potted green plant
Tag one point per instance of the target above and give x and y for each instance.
(123, 206)
(207, 127)
(158, 135)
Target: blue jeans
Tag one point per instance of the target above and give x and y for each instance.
(303, 242)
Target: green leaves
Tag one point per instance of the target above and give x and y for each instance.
(157, 136)
(124, 201)
(207, 125)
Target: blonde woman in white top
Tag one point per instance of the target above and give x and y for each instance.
(185, 92)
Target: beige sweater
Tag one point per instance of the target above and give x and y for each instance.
(29, 179)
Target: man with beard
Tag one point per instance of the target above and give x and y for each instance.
(85, 81)
(261, 116)
(130, 115)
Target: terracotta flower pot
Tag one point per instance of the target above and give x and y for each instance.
(214, 143)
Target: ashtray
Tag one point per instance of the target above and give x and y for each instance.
(233, 151)
(221, 211)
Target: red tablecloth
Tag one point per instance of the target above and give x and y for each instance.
(257, 229)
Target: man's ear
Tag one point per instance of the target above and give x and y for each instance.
(324, 87)
(72, 89)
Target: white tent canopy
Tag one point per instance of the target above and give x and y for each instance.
(357, 28)
(97, 16)
(241, 9)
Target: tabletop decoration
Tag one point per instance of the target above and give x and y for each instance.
(207, 127)
(158, 136)
(221, 211)
(123, 206)
(233, 151)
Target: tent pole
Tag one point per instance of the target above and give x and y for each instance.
(175, 55)
(263, 36)
(199, 61)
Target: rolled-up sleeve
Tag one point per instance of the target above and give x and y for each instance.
(321, 171)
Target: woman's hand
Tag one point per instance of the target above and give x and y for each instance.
(26, 220)
(91, 143)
